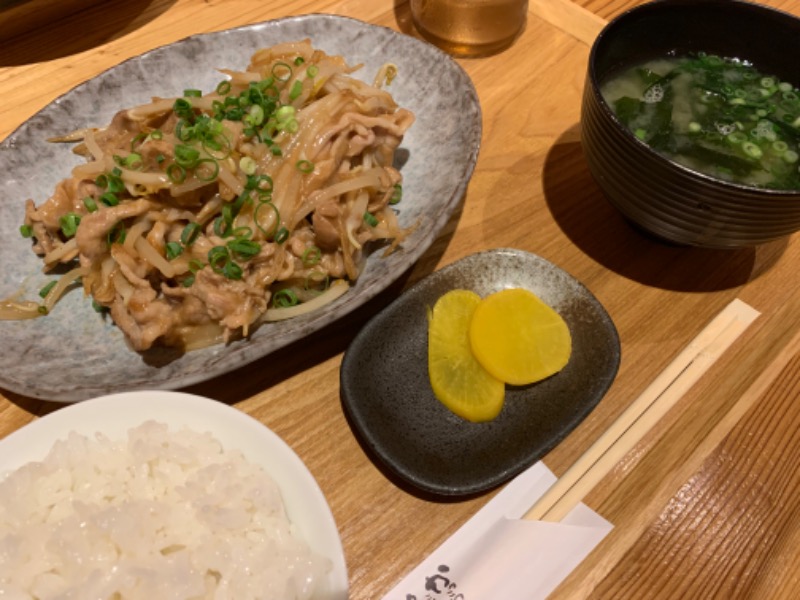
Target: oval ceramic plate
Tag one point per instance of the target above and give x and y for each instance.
(388, 398)
(115, 414)
(64, 357)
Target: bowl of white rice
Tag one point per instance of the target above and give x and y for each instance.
(162, 495)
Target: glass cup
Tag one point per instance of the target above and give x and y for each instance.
(470, 28)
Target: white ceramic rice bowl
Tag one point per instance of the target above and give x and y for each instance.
(115, 414)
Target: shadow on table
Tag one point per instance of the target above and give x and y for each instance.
(598, 229)
(33, 31)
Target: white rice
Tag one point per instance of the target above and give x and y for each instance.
(161, 515)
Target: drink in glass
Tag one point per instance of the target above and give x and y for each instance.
(470, 27)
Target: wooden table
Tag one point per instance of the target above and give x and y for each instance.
(707, 505)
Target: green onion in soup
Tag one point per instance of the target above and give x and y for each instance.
(718, 116)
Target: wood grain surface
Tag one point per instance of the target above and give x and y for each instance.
(706, 506)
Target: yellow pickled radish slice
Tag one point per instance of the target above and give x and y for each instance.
(458, 380)
(518, 338)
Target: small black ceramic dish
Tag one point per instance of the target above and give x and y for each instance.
(388, 398)
(666, 199)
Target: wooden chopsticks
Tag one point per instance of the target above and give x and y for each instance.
(643, 413)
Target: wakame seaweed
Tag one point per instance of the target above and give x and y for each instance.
(719, 116)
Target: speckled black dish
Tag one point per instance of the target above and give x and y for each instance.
(73, 354)
(664, 198)
(388, 399)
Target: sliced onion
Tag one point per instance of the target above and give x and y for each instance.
(61, 252)
(151, 255)
(11, 310)
(338, 288)
(61, 286)
(194, 337)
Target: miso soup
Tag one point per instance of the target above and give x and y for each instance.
(718, 116)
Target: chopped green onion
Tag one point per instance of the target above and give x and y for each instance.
(223, 87)
(312, 71)
(285, 298)
(69, 224)
(299, 61)
(156, 134)
(305, 166)
(234, 114)
(115, 183)
(137, 139)
(111, 181)
(737, 137)
(282, 235)
(218, 256)
(183, 131)
(176, 173)
(311, 256)
(248, 165)
(186, 156)
(779, 146)
(255, 115)
(370, 219)
(217, 145)
(231, 270)
(26, 231)
(191, 93)
(243, 248)
(752, 150)
(117, 234)
(200, 170)
(264, 83)
(183, 108)
(390, 73)
(90, 204)
(46, 289)
(221, 227)
(282, 72)
(173, 250)
(297, 89)
(317, 277)
(234, 207)
(397, 194)
(190, 233)
(133, 161)
(109, 199)
(262, 181)
(285, 113)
